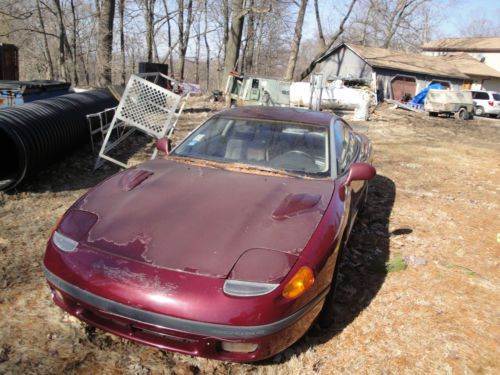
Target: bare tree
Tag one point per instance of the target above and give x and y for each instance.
(318, 22)
(121, 13)
(105, 41)
(45, 41)
(294, 50)
(184, 33)
(207, 46)
(234, 39)
(333, 40)
(73, 40)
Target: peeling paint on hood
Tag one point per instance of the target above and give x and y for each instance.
(202, 219)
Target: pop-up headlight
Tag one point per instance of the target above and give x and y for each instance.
(258, 272)
(72, 228)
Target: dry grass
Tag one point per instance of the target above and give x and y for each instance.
(436, 197)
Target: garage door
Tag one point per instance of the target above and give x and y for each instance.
(403, 85)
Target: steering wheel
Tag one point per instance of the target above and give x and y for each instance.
(294, 160)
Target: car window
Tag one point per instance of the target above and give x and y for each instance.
(346, 146)
(496, 96)
(289, 147)
(481, 95)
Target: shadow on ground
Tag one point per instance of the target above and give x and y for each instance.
(76, 171)
(362, 271)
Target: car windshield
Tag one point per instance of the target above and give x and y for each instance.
(268, 145)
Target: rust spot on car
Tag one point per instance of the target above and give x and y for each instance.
(128, 277)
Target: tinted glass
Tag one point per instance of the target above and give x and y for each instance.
(346, 146)
(481, 95)
(496, 96)
(288, 147)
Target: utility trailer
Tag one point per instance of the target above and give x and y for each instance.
(449, 103)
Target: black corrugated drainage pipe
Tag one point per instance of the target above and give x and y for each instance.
(35, 134)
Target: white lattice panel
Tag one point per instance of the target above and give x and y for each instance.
(147, 106)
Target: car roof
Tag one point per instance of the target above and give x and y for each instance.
(284, 114)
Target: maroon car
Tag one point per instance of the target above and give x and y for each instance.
(227, 247)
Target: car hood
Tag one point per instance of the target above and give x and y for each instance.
(196, 219)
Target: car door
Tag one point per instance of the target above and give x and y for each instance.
(347, 149)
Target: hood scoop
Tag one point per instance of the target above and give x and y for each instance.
(296, 204)
(131, 179)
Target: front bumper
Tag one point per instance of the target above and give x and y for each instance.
(182, 335)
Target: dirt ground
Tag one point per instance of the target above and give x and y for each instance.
(436, 200)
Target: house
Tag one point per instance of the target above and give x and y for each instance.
(393, 74)
(484, 50)
(390, 73)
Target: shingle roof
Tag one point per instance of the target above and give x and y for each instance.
(491, 44)
(470, 66)
(408, 62)
(459, 65)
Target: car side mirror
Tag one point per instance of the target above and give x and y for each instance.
(164, 145)
(360, 172)
(357, 172)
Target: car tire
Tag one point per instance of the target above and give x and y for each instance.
(462, 114)
(327, 316)
(433, 114)
(478, 111)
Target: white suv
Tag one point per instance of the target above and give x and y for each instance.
(486, 103)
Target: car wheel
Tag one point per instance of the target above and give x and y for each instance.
(462, 114)
(326, 317)
(433, 114)
(478, 111)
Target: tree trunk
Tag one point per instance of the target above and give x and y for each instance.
(207, 46)
(318, 22)
(149, 8)
(339, 32)
(197, 53)
(225, 13)
(234, 39)
(62, 34)
(121, 11)
(45, 42)
(250, 45)
(294, 51)
(75, 62)
(170, 56)
(184, 33)
(105, 42)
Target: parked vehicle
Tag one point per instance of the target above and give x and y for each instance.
(486, 103)
(253, 90)
(449, 103)
(228, 247)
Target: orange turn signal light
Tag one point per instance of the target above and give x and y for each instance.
(299, 283)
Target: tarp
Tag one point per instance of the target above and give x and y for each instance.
(420, 97)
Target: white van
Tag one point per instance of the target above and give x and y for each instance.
(486, 103)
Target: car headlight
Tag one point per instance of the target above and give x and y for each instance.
(72, 228)
(63, 243)
(239, 288)
(258, 272)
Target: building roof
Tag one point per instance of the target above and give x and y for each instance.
(468, 65)
(400, 60)
(491, 44)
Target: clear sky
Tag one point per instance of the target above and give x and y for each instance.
(451, 15)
